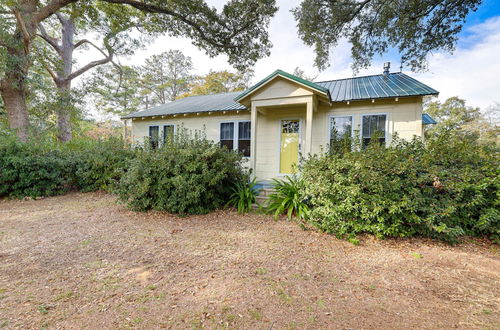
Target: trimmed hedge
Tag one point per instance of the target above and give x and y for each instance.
(443, 189)
(32, 170)
(40, 168)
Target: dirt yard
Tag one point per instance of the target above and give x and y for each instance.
(82, 261)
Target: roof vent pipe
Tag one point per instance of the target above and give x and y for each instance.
(387, 68)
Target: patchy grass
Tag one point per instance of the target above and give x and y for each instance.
(82, 261)
(416, 255)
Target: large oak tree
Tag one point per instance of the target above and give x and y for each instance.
(415, 28)
(239, 31)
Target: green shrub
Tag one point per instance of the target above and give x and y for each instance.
(244, 196)
(31, 169)
(98, 165)
(45, 168)
(442, 189)
(288, 199)
(186, 176)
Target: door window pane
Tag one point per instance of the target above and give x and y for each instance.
(289, 126)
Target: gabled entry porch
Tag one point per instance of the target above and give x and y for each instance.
(281, 132)
(283, 109)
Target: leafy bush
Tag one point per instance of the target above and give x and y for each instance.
(288, 199)
(32, 169)
(45, 168)
(244, 196)
(98, 165)
(444, 188)
(186, 176)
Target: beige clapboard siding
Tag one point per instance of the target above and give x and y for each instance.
(279, 88)
(210, 124)
(404, 117)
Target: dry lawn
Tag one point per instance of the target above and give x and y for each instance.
(82, 261)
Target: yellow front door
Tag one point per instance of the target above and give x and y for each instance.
(289, 151)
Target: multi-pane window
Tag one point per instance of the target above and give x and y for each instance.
(290, 126)
(244, 138)
(227, 135)
(340, 127)
(168, 133)
(373, 126)
(340, 133)
(236, 136)
(154, 135)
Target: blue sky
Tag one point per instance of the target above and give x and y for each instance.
(471, 72)
(488, 9)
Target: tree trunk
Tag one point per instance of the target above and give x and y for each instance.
(64, 126)
(13, 85)
(14, 99)
(64, 133)
(65, 104)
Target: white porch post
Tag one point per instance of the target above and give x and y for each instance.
(253, 139)
(125, 130)
(309, 119)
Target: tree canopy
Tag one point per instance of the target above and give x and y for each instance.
(239, 31)
(166, 76)
(454, 115)
(115, 91)
(415, 28)
(220, 82)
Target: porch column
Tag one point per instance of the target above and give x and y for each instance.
(125, 131)
(253, 139)
(309, 119)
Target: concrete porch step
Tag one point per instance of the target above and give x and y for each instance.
(262, 200)
(266, 192)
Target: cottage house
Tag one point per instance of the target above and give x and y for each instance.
(283, 116)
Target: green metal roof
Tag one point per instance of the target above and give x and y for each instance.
(375, 87)
(193, 104)
(286, 75)
(379, 86)
(382, 86)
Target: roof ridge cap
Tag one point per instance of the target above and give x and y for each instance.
(370, 75)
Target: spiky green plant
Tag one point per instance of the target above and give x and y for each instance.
(287, 199)
(243, 196)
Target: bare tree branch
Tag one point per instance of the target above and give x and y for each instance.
(51, 72)
(146, 7)
(24, 30)
(107, 58)
(81, 42)
(89, 66)
(86, 41)
(61, 18)
(51, 8)
(50, 40)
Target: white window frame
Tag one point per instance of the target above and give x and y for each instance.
(159, 135)
(236, 132)
(329, 127)
(163, 130)
(386, 133)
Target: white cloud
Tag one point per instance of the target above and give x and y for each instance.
(472, 72)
